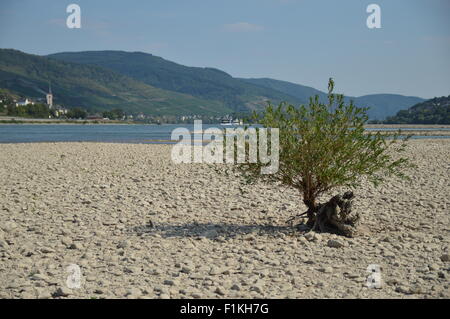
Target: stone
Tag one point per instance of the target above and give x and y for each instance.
(392, 281)
(257, 287)
(9, 226)
(210, 234)
(235, 287)
(317, 237)
(132, 270)
(62, 292)
(170, 282)
(186, 270)
(434, 267)
(313, 236)
(28, 293)
(415, 290)
(445, 257)
(77, 246)
(352, 276)
(123, 244)
(196, 295)
(47, 250)
(389, 254)
(403, 289)
(43, 293)
(3, 244)
(215, 271)
(326, 269)
(161, 290)
(333, 243)
(220, 291)
(134, 293)
(66, 241)
(39, 277)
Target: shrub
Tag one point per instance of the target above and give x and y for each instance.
(325, 146)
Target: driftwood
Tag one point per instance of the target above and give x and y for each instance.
(335, 216)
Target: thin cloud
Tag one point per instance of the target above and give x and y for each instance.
(242, 27)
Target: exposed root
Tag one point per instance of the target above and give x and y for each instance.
(336, 216)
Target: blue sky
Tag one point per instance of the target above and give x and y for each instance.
(302, 41)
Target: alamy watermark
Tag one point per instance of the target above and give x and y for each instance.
(374, 279)
(75, 277)
(374, 19)
(227, 146)
(74, 19)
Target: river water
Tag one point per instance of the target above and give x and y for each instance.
(123, 133)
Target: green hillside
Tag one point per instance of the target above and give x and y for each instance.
(93, 88)
(139, 82)
(434, 111)
(206, 83)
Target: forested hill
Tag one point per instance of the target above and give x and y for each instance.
(206, 83)
(434, 111)
(93, 87)
(143, 83)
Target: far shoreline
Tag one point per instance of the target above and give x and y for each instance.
(9, 121)
(27, 121)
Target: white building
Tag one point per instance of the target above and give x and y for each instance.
(25, 102)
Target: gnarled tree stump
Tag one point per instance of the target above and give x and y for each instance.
(336, 216)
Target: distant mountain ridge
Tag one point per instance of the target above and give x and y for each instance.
(381, 105)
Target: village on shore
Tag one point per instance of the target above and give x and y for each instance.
(38, 110)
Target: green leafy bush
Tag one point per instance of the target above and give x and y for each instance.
(325, 146)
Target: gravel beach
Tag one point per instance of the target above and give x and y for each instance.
(139, 226)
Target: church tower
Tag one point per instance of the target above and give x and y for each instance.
(49, 96)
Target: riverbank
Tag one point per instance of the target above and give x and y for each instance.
(412, 129)
(139, 226)
(408, 126)
(21, 120)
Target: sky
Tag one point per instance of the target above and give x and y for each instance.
(301, 41)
